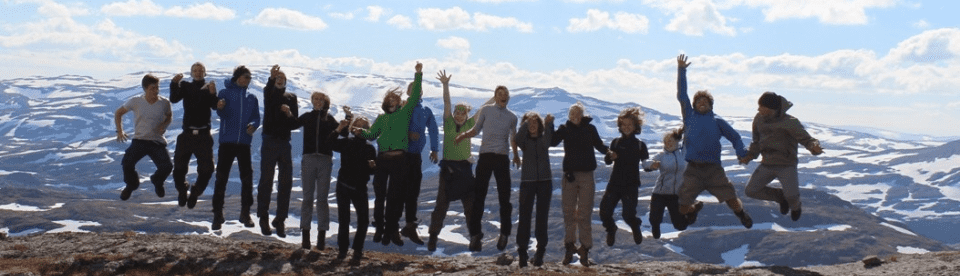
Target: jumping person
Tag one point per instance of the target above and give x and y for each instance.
(279, 118)
(152, 115)
(536, 185)
(626, 153)
(239, 113)
(671, 164)
(198, 99)
(357, 163)
(316, 166)
(420, 121)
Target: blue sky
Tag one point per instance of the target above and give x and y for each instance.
(886, 64)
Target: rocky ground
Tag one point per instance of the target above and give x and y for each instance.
(167, 254)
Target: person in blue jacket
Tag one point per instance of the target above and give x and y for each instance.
(239, 113)
(422, 120)
(704, 170)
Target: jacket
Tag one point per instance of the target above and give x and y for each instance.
(423, 120)
(196, 103)
(776, 138)
(275, 122)
(316, 125)
(630, 152)
(703, 131)
(390, 129)
(536, 156)
(672, 166)
(242, 110)
(355, 153)
(577, 142)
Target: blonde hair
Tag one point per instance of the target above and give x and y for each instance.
(326, 99)
(578, 106)
(462, 105)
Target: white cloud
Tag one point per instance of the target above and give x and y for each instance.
(202, 11)
(149, 8)
(341, 15)
(374, 13)
(922, 24)
(458, 19)
(846, 12)
(132, 8)
(596, 19)
(694, 18)
(401, 22)
(461, 47)
(287, 18)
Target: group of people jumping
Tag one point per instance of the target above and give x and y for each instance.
(688, 165)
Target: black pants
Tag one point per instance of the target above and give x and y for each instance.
(412, 186)
(615, 193)
(499, 166)
(139, 149)
(388, 204)
(672, 203)
(226, 153)
(358, 197)
(542, 193)
(199, 145)
(274, 152)
(443, 200)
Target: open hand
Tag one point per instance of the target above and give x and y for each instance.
(443, 77)
(121, 137)
(682, 61)
(548, 120)
(177, 78)
(419, 67)
(213, 87)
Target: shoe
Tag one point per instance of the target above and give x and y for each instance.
(305, 234)
(656, 231)
(583, 252)
(502, 242)
(264, 226)
(217, 221)
(357, 255)
(159, 190)
(125, 194)
(611, 237)
(342, 255)
(395, 238)
(523, 257)
(795, 214)
(568, 256)
(432, 243)
(378, 235)
(192, 199)
(784, 206)
(322, 240)
(182, 196)
(246, 220)
(410, 231)
(692, 216)
(538, 257)
(476, 243)
(637, 235)
(744, 218)
(280, 228)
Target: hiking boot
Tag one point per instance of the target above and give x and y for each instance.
(523, 257)
(305, 234)
(744, 218)
(342, 255)
(217, 221)
(656, 230)
(280, 228)
(158, 188)
(378, 235)
(692, 216)
(611, 237)
(394, 237)
(476, 243)
(410, 231)
(182, 195)
(125, 194)
(264, 226)
(192, 199)
(321, 240)
(583, 252)
(357, 255)
(502, 242)
(538, 257)
(795, 214)
(568, 256)
(247, 221)
(432, 243)
(637, 235)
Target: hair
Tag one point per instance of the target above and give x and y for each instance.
(676, 134)
(702, 94)
(536, 117)
(578, 105)
(634, 113)
(148, 80)
(326, 99)
(770, 100)
(239, 71)
(359, 118)
(394, 92)
(466, 107)
(195, 64)
(501, 87)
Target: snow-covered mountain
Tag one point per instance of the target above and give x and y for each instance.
(57, 134)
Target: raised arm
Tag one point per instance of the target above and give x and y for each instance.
(682, 96)
(445, 80)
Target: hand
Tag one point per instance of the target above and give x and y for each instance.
(459, 138)
(516, 160)
(343, 124)
(655, 165)
(357, 132)
(548, 119)
(220, 104)
(251, 129)
(213, 87)
(816, 150)
(346, 110)
(744, 160)
(443, 77)
(414, 136)
(433, 157)
(286, 109)
(612, 154)
(121, 137)
(373, 164)
(274, 71)
(177, 78)
(419, 67)
(682, 61)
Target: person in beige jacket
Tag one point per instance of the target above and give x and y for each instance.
(775, 137)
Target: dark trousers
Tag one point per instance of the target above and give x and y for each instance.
(672, 203)
(443, 202)
(540, 192)
(137, 150)
(499, 166)
(615, 194)
(226, 153)
(274, 152)
(358, 197)
(412, 186)
(387, 188)
(199, 145)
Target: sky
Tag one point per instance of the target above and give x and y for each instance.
(886, 64)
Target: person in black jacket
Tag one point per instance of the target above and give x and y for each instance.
(627, 151)
(315, 167)
(357, 163)
(579, 139)
(279, 117)
(198, 98)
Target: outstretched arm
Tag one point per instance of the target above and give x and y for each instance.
(682, 96)
(445, 80)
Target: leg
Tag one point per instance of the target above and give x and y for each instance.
(359, 201)
(657, 204)
(585, 209)
(133, 154)
(630, 201)
(227, 153)
(791, 186)
(205, 168)
(607, 204)
(343, 215)
(269, 155)
(757, 185)
(568, 199)
(246, 182)
(412, 188)
(323, 192)
(284, 181)
(395, 193)
(673, 205)
(181, 159)
(527, 196)
(309, 169)
(502, 174)
(441, 206)
(484, 172)
(161, 158)
(544, 194)
(380, 194)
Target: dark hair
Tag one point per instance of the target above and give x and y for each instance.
(701, 94)
(533, 116)
(148, 80)
(392, 92)
(501, 87)
(634, 113)
(770, 100)
(239, 71)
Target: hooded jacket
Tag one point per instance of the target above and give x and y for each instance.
(536, 155)
(577, 142)
(630, 152)
(703, 131)
(275, 122)
(776, 137)
(672, 166)
(242, 110)
(316, 125)
(390, 129)
(422, 120)
(197, 103)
